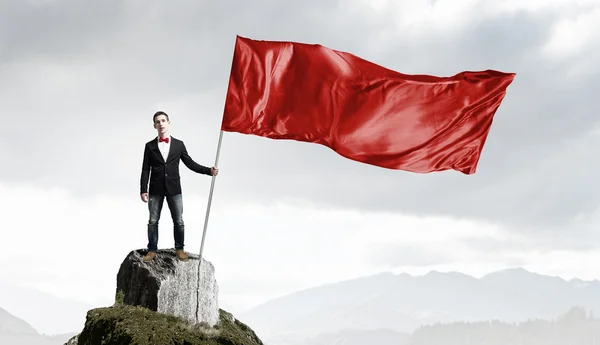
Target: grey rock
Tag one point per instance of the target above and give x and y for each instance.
(170, 286)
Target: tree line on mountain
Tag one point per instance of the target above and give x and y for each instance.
(576, 327)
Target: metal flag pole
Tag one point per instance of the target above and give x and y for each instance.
(210, 194)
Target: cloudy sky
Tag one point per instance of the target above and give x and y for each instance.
(79, 84)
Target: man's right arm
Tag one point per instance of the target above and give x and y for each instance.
(145, 171)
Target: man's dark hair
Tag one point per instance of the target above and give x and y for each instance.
(158, 113)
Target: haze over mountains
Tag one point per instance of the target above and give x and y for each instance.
(14, 331)
(401, 303)
(386, 308)
(46, 313)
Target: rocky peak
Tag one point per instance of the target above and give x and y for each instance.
(170, 286)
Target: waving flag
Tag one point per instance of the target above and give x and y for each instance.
(362, 111)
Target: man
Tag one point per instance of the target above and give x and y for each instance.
(161, 167)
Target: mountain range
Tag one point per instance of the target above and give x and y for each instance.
(401, 303)
(15, 331)
(46, 313)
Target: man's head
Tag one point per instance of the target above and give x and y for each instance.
(161, 123)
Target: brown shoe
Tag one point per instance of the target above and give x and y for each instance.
(181, 255)
(149, 256)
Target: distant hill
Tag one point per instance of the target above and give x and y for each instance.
(10, 324)
(574, 327)
(14, 331)
(48, 314)
(402, 303)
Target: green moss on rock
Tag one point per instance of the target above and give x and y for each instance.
(130, 325)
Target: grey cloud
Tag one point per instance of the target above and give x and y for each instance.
(511, 251)
(59, 28)
(480, 249)
(119, 59)
(396, 255)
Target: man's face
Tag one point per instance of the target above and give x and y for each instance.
(161, 124)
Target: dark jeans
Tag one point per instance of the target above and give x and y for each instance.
(155, 205)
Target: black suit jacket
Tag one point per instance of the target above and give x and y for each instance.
(164, 176)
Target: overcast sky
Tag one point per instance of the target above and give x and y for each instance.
(79, 84)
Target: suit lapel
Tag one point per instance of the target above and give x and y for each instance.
(157, 151)
(172, 148)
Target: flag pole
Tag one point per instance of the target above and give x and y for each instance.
(210, 194)
(212, 184)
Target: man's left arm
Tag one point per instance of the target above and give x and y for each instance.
(189, 162)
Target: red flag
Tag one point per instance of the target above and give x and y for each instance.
(362, 111)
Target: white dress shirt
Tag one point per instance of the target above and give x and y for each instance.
(164, 147)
